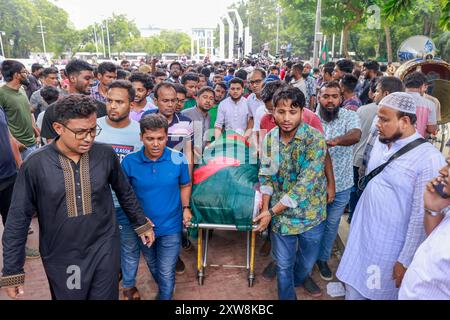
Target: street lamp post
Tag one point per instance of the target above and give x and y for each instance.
(2, 33)
(107, 36)
(43, 38)
(316, 34)
(278, 27)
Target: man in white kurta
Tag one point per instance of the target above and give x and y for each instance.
(387, 226)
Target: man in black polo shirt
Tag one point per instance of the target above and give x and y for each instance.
(81, 78)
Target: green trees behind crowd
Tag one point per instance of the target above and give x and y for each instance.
(366, 34)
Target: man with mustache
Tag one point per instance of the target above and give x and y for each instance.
(342, 131)
(15, 103)
(387, 226)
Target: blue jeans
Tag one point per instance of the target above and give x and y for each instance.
(295, 256)
(161, 259)
(29, 150)
(335, 210)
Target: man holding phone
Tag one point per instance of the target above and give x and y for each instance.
(428, 277)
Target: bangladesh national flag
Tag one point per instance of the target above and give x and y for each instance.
(224, 186)
(324, 54)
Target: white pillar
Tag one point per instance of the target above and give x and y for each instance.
(247, 49)
(240, 27)
(221, 39)
(230, 37)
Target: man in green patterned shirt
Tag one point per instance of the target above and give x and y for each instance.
(293, 184)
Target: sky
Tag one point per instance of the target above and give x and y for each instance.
(166, 14)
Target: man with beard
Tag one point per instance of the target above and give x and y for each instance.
(176, 70)
(143, 85)
(371, 68)
(14, 102)
(81, 76)
(220, 92)
(342, 131)
(107, 73)
(122, 134)
(293, 184)
(201, 118)
(254, 101)
(68, 184)
(49, 79)
(342, 67)
(387, 226)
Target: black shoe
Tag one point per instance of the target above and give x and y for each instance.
(312, 288)
(270, 272)
(324, 270)
(180, 267)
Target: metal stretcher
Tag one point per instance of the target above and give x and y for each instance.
(202, 250)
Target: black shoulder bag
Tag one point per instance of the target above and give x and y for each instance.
(362, 183)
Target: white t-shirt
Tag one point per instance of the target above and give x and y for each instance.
(260, 112)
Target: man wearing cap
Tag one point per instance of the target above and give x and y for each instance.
(387, 226)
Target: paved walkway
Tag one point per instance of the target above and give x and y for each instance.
(225, 248)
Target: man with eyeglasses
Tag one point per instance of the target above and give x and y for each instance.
(254, 101)
(68, 184)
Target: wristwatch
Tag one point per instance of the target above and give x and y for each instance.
(437, 213)
(272, 214)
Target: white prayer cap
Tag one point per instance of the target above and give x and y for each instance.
(400, 101)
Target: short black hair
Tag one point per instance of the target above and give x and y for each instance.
(349, 82)
(153, 122)
(10, 68)
(76, 66)
(270, 88)
(383, 68)
(412, 117)
(345, 65)
(241, 74)
(391, 84)
(36, 66)
(298, 66)
(124, 62)
(372, 65)
(179, 88)
(206, 72)
(49, 94)
(75, 106)
(289, 64)
(204, 89)
(261, 71)
(237, 80)
(415, 79)
(174, 63)
(330, 84)
(124, 84)
(190, 76)
(231, 70)
(121, 74)
(290, 93)
(221, 84)
(143, 78)
(164, 84)
(106, 67)
(48, 71)
(160, 73)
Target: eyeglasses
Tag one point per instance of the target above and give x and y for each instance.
(80, 135)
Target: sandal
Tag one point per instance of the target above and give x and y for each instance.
(131, 294)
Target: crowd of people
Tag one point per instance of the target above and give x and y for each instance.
(104, 156)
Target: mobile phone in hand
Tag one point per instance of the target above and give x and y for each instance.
(440, 190)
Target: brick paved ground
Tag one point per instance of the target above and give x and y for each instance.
(226, 247)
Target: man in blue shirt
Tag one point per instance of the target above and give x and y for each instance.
(160, 178)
